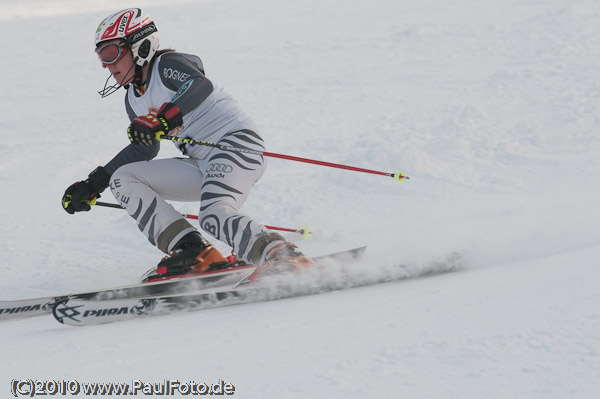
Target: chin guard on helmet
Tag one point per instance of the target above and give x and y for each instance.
(108, 90)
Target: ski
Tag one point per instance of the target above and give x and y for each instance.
(30, 307)
(26, 307)
(43, 305)
(81, 311)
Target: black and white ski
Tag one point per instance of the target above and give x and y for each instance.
(227, 278)
(82, 312)
(39, 306)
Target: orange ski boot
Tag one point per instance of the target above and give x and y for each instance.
(283, 257)
(191, 256)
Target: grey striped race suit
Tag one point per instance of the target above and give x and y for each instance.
(219, 180)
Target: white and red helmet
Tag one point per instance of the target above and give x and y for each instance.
(133, 26)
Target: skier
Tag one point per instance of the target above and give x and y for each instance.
(168, 92)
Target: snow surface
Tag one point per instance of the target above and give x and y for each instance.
(491, 107)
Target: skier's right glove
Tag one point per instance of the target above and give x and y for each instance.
(144, 128)
(81, 195)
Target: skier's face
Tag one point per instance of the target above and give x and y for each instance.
(123, 69)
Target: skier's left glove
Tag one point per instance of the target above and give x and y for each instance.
(144, 128)
(81, 195)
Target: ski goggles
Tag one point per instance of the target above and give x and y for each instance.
(111, 52)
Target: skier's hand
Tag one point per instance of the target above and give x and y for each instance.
(80, 196)
(171, 114)
(144, 128)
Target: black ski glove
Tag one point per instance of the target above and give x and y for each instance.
(81, 195)
(144, 128)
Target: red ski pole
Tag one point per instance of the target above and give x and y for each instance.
(160, 136)
(304, 232)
